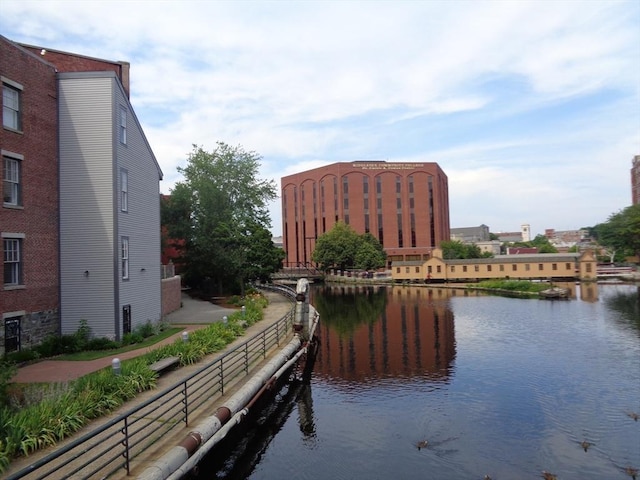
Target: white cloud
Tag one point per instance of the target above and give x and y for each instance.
(528, 106)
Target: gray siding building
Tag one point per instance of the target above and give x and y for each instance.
(109, 209)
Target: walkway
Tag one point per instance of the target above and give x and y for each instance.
(193, 314)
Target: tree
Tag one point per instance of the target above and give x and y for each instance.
(220, 212)
(343, 248)
(621, 232)
(453, 249)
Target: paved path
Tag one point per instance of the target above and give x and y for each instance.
(191, 311)
(192, 315)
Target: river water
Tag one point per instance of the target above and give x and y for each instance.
(484, 385)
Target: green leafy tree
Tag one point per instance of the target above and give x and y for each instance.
(336, 248)
(220, 214)
(455, 249)
(343, 248)
(621, 232)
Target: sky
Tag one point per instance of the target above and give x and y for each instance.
(532, 109)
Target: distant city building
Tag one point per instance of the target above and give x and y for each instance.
(566, 238)
(404, 205)
(524, 235)
(492, 246)
(471, 234)
(635, 180)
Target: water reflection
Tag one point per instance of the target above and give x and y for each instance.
(405, 332)
(627, 304)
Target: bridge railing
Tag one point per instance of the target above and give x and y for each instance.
(114, 446)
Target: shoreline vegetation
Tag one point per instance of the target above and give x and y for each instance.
(505, 287)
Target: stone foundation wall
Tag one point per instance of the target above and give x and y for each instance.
(34, 328)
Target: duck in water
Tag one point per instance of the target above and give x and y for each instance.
(585, 445)
(548, 476)
(632, 472)
(422, 444)
(634, 415)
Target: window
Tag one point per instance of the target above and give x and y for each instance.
(124, 190)
(397, 269)
(417, 269)
(527, 267)
(125, 258)
(476, 268)
(554, 266)
(406, 269)
(502, 268)
(488, 268)
(567, 266)
(11, 191)
(464, 268)
(540, 266)
(514, 267)
(123, 125)
(438, 269)
(11, 114)
(12, 248)
(453, 268)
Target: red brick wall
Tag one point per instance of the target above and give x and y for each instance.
(70, 62)
(171, 295)
(37, 218)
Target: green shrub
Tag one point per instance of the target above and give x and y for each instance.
(101, 343)
(22, 356)
(146, 330)
(131, 338)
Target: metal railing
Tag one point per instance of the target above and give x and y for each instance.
(115, 445)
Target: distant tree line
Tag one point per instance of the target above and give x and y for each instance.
(620, 233)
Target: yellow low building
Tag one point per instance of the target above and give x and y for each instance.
(542, 266)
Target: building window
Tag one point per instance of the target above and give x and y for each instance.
(406, 269)
(12, 248)
(125, 258)
(554, 266)
(514, 267)
(11, 191)
(397, 269)
(527, 267)
(464, 269)
(502, 268)
(488, 268)
(11, 108)
(417, 269)
(476, 268)
(438, 269)
(124, 190)
(453, 268)
(567, 266)
(123, 125)
(540, 266)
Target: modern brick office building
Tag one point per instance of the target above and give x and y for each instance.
(404, 205)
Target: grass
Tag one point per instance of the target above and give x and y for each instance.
(95, 354)
(512, 285)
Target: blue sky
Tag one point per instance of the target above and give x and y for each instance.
(532, 109)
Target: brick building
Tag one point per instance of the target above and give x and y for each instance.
(635, 180)
(29, 213)
(404, 205)
(77, 172)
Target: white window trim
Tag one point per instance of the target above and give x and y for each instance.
(19, 159)
(124, 254)
(20, 238)
(124, 190)
(122, 124)
(15, 86)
